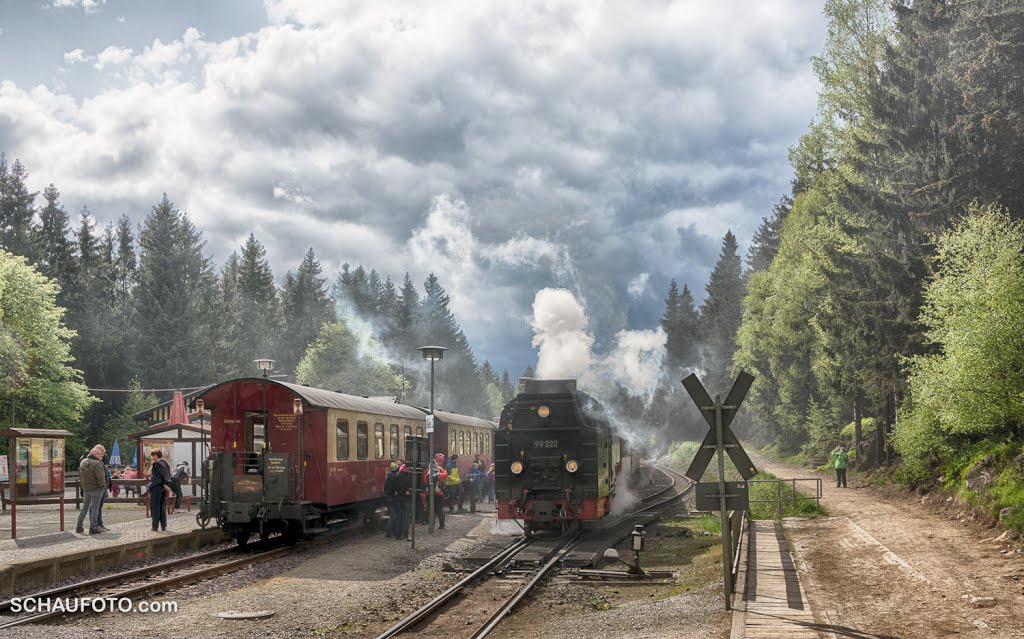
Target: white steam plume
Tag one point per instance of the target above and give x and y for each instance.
(566, 348)
(560, 332)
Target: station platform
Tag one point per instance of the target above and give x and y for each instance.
(36, 562)
(771, 600)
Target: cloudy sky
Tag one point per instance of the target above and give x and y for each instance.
(603, 147)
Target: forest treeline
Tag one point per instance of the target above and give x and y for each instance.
(890, 313)
(112, 309)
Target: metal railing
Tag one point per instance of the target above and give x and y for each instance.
(794, 498)
(737, 525)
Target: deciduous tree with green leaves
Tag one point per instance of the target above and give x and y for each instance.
(35, 351)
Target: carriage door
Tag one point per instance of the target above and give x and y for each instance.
(254, 430)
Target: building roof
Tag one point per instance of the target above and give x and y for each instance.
(161, 411)
(164, 427)
(36, 432)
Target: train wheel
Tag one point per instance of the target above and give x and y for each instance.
(242, 537)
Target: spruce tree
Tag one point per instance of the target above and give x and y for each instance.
(721, 314)
(54, 248)
(306, 308)
(508, 389)
(176, 336)
(765, 243)
(680, 323)
(257, 322)
(16, 209)
(407, 334)
(463, 389)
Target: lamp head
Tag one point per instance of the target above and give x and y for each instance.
(264, 365)
(432, 353)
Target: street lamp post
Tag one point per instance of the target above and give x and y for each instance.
(432, 353)
(264, 365)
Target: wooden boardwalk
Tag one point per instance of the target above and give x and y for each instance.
(772, 604)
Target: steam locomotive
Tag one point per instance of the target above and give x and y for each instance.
(559, 458)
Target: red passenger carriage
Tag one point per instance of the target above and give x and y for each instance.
(262, 428)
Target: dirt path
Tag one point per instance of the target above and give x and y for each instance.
(884, 568)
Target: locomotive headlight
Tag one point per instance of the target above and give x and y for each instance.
(543, 411)
(572, 465)
(516, 467)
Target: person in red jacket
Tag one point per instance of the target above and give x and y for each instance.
(434, 477)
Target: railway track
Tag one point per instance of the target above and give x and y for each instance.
(534, 577)
(137, 583)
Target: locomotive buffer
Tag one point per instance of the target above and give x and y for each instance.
(721, 495)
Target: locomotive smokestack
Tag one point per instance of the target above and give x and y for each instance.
(523, 381)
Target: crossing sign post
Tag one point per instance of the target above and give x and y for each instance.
(721, 495)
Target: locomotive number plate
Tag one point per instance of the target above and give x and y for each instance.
(545, 443)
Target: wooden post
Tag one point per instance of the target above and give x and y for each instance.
(14, 516)
(723, 514)
(62, 512)
(778, 491)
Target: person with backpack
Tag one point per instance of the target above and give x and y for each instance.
(434, 478)
(453, 484)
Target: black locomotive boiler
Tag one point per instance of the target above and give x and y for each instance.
(558, 457)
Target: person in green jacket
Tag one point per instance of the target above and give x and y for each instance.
(840, 460)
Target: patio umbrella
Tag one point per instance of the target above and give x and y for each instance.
(115, 455)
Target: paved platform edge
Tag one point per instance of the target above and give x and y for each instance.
(33, 575)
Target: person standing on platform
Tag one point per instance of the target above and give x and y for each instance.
(434, 477)
(453, 484)
(159, 479)
(106, 489)
(179, 477)
(403, 491)
(391, 498)
(94, 482)
(490, 484)
(841, 461)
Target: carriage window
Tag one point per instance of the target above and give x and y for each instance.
(476, 444)
(454, 448)
(378, 441)
(487, 447)
(393, 448)
(462, 443)
(341, 432)
(362, 440)
(419, 431)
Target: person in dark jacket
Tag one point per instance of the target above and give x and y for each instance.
(94, 481)
(391, 498)
(403, 497)
(179, 477)
(159, 480)
(106, 491)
